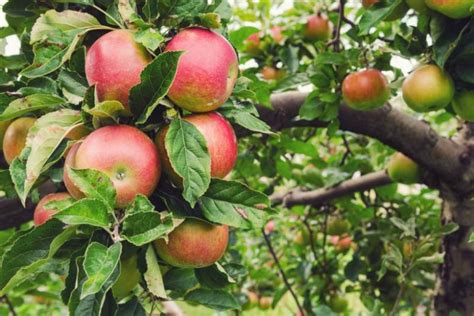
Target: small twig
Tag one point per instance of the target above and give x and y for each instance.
(10, 305)
(337, 36)
(397, 300)
(348, 150)
(282, 272)
(325, 237)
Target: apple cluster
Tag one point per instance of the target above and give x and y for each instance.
(206, 74)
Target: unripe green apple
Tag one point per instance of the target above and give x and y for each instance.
(428, 88)
(3, 128)
(418, 5)
(365, 90)
(193, 244)
(114, 64)
(265, 302)
(463, 104)
(128, 279)
(338, 226)
(402, 169)
(317, 28)
(455, 9)
(42, 214)
(338, 304)
(207, 70)
(14, 139)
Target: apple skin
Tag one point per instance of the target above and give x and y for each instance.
(252, 44)
(338, 304)
(365, 90)
(14, 139)
(128, 278)
(417, 5)
(193, 244)
(463, 104)
(317, 28)
(252, 301)
(338, 227)
(402, 169)
(114, 63)
(276, 34)
(428, 88)
(207, 70)
(271, 73)
(125, 154)
(221, 143)
(3, 128)
(269, 227)
(42, 214)
(455, 9)
(265, 302)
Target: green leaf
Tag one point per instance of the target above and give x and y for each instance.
(131, 308)
(73, 85)
(214, 277)
(150, 38)
(40, 244)
(31, 103)
(107, 110)
(250, 122)
(407, 227)
(448, 40)
(99, 264)
(189, 157)
(237, 38)
(140, 204)
(215, 299)
(471, 238)
(152, 276)
(181, 8)
(156, 79)
(45, 145)
(86, 212)
(94, 184)
(180, 279)
(6, 184)
(84, 2)
(144, 227)
(234, 204)
(375, 15)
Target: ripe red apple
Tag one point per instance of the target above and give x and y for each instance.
(455, 9)
(317, 28)
(252, 44)
(276, 34)
(14, 139)
(114, 63)
(271, 73)
(42, 214)
(428, 88)
(207, 71)
(221, 143)
(193, 244)
(269, 226)
(265, 302)
(365, 90)
(125, 154)
(128, 278)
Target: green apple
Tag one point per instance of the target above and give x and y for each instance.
(463, 104)
(402, 169)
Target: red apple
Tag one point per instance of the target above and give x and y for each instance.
(365, 90)
(193, 244)
(276, 34)
(42, 214)
(125, 154)
(252, 300)
(207, 71)
(14, 139)
(252, 44)
(221, 143)
(265, 302)
(317, 28)
(114, 63)
(269, 226)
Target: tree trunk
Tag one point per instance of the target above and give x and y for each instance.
(455, 286)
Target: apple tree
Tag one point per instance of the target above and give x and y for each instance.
(308, 157)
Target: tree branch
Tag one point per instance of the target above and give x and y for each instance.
(324, 195)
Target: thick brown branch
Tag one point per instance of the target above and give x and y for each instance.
(441, 156)
(321, 196)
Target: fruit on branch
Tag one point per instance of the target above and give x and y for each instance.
(269, 227)
(276, 34)
(252, 300)
(114, 63)
(207, 70)
(317, 28)
(14, 139)
(338, 226)
(428, 88)
(3, 128)
(128, 279)
(124, 153)
(271, 73)
(302, 237)
(252, 44)
(265, 302)
(342, 243)
(396, 14)
(402, 169)
(365, 90)
(418, 5)
(193, 244)
(221, 144)
(338, 304)
(455, 9)
(41, 213)
(463, 104)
